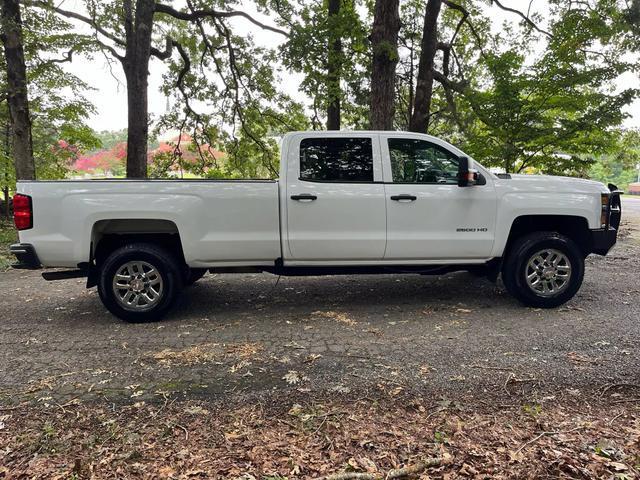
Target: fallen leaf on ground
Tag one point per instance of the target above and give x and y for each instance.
(337, 316)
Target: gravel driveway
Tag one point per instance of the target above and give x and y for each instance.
(243, 335)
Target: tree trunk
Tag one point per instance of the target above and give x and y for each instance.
(138, 28)
(410, 82)
(424, 85)
(17, 91)
(7, 151)
(384, 40)
(138, 122)
(334, 68)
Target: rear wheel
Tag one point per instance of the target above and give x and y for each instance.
(139, 282)
(543, 269)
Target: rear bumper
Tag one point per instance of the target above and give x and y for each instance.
(603, 240)
(26, 256)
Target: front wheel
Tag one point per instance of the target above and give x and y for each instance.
(139, 282)
(543, 269)
(193, 275)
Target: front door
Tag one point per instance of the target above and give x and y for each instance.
(428, 216)
(335, 199)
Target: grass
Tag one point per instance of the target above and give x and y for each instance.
(8, 235)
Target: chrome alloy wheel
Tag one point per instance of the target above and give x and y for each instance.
(138, 286)
(548, 272)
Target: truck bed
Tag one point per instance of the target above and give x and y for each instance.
(226, 222)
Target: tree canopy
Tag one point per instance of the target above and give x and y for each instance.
(539, 93)
(59, 104)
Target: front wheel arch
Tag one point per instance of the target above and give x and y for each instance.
(573, 227)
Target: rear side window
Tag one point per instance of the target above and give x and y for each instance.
(338, 160)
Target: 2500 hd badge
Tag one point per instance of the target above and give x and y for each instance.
(472, 230)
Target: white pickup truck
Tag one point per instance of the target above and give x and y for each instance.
(345, 203)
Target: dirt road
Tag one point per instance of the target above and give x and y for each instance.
(236, 336)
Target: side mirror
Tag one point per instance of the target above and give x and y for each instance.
(466, 176)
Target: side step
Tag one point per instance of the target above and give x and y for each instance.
(64, 275)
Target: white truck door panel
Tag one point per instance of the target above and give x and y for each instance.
(428, 216)
(335, 203)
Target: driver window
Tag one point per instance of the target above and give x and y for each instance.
(419, 161)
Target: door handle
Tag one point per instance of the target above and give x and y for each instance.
(400, 198)
(304, 196)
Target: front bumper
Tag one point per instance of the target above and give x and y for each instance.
(26, 255)
(602, 240)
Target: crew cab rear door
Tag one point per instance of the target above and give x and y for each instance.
(429, 217)
(335, 198)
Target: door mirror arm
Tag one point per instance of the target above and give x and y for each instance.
(466, 176)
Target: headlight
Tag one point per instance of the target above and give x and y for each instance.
(604, 213)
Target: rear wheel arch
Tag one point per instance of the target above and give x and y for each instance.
(111, 234)
(108, 235)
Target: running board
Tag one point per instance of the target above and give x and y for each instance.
(64, 275)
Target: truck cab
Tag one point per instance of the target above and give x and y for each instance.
(382, 197)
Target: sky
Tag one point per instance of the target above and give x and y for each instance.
(110, 97)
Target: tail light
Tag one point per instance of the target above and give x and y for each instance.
(22, 211)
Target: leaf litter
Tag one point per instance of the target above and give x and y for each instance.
(406, 435)
(206, 353)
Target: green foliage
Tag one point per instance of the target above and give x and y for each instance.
(8, 235)
(56, 115)
(267, 125)
(619, 168)
(552, 112)
(58, 118)
(524, 100)
(161, 165)
(109, 139)
(548, 117)
(229, 101)
(533, 410)
(306, 52)
(441, 437)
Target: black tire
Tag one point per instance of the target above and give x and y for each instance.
(517, 267)
(193, 275)
(146, 254)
